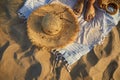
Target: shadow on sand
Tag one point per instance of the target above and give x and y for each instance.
(3, 48)
(33, 72)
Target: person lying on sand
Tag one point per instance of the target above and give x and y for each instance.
(89, 12)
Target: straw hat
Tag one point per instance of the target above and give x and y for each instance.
(52, 26)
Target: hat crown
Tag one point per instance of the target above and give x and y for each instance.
(51, 24)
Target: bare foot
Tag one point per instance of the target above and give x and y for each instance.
(90, 12)
(78, 8)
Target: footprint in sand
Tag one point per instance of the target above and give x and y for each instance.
(33, 72)
(3, 48)
(109, 71)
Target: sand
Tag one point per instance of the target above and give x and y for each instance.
(20, 60)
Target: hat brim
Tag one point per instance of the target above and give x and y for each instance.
(68, 34)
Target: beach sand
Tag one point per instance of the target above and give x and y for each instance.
(20, 60)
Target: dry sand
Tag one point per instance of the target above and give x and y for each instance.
(20, 60)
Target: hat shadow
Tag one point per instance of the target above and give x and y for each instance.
(18, 32)
(13, 25)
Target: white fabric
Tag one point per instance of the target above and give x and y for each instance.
(91, 33)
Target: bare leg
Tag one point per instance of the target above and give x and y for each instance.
(78, 8)
(90, 10)
(101, 3)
